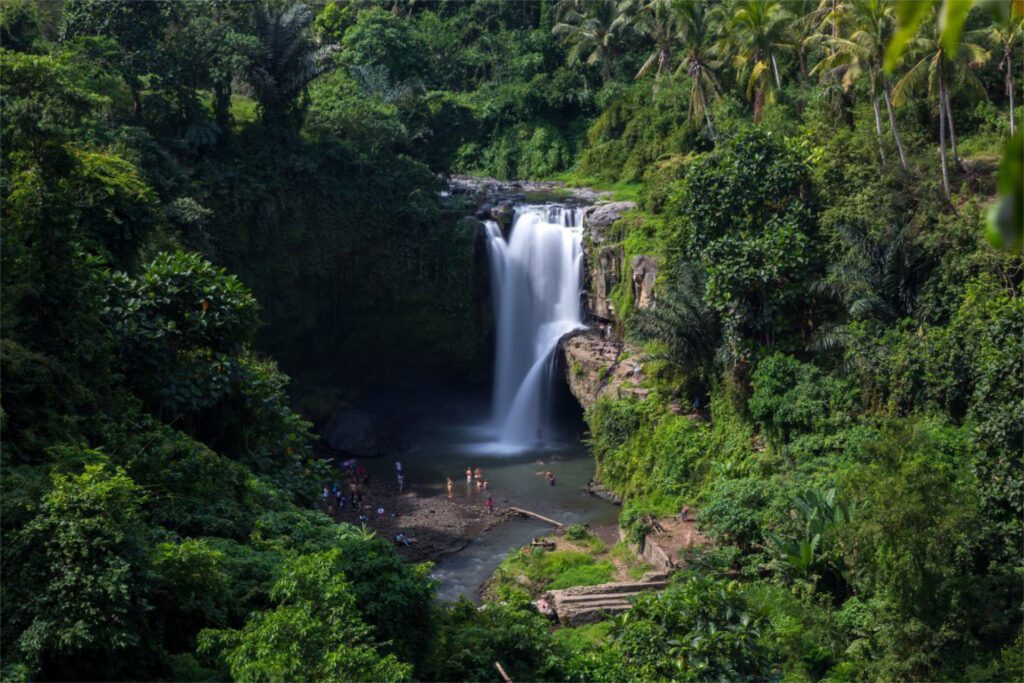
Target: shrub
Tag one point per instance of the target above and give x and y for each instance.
(577, 532)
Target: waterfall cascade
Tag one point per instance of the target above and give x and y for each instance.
(536, 281)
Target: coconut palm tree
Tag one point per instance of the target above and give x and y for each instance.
(863, 54)
(697, 25)
(931, 66)
(657, 20)
(1005, 35)
(809, 18)
(592, 29)
(287, 59)
(758, 36)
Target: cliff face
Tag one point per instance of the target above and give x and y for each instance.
(603, 257)
(597, 367)
(597, 363)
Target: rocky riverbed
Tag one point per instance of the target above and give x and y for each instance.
(436, 525)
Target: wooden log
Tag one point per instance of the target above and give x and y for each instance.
(504, 676)
(535, 516)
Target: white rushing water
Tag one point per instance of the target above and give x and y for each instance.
(535, 278)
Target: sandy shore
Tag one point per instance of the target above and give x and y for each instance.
(437, 526)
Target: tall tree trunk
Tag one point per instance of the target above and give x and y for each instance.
(878, 122)
(663, 59)
(758, 104)
(704, 101)
(136, 99)
(222, 106)
(892, 126)
(942, 143)
(949, 122)
(1009, 89)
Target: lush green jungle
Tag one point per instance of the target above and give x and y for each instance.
(203, 198)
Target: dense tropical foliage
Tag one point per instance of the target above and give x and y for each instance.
(194, 192)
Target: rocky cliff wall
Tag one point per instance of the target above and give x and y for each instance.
(596, 366)
(598, 362)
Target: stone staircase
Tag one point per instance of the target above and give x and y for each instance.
(587, 604)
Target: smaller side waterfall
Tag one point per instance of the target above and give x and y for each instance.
(536, 284)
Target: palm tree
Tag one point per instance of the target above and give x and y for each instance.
(287, 59)
(758, 36)
(657, 20)
(877, 278)
(681, 320)
(591, 28)
(696, 31)
(809, 17)
(932, 65)
(1005, 34)
(863, 54)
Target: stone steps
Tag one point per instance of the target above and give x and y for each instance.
(590, 612)
(587, 598)
(586, 604)
(623, 587)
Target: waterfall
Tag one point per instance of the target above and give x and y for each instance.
(535, 278)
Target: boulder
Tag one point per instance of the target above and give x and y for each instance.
(596, 367)
(597, 489)
(598, 218)
(483, 212)
(352, 432)
(503, 214)
(645, 272)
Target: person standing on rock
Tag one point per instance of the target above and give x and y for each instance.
(490, 505)
(469, 474)
(451, 487)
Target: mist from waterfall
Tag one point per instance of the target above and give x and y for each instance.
(535, 278)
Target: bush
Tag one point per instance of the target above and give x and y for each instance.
(469, 641)
(733, 511)
(791, 398)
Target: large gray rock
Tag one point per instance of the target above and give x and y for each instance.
(353, 432)
(593, 367)
(605, 273)
(598, 218)
(645, 272)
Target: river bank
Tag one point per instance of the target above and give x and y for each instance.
(436, 525)
(447, 433)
